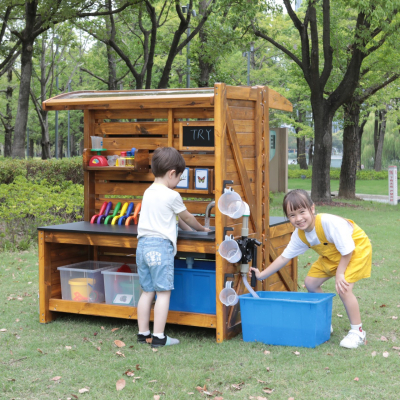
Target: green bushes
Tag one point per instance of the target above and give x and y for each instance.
(364, 175)
(26, 205)
(54, 171)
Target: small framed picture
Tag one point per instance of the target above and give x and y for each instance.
(201, 178)
(184, 182)
(123, 299)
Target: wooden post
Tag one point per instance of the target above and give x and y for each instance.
(220, 107)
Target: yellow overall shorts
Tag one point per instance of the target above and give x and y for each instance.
(360, 264)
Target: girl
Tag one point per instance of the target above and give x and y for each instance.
(344, 252)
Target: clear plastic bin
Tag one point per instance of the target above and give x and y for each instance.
(122, 288)
(83, 281)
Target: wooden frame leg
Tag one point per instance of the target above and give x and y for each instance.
(44, 281)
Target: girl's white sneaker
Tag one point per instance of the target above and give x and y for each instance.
(353, 339)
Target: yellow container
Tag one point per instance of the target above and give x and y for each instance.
(80, 289)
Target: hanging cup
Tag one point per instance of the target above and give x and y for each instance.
(228, 296)
(229, 249)
(231, 204)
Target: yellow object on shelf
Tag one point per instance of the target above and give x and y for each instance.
(80, 289)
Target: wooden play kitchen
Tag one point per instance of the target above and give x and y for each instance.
(223, 135)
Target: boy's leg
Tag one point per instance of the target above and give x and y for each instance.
(161, 311)
(143, 310)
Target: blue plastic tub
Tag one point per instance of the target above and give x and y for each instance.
(287, 318)
(194, 288)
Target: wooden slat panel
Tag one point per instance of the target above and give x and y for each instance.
(280, 230)
(121, 188)
(241, 93)
(247, 152)
(278, 102)
(243, 126)
(122, 175)
(286, 278)
(201, 113)
(234, 176)
(243, 113)
(108, 310)
(131, 114)
(249, 163)
(240, 103)
(119, 144)
(196, 160)
(245, 139)
(131, 128)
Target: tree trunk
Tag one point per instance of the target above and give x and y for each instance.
(348, 171)
(31, 148)
(45, 121)
(380, 140)
(204, 65)
(8, 128)
(301, 144)
(310, 152)
(112, 69)
(360, 134)
(321, 184)
(18, 149)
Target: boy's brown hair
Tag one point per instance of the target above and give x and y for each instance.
(295, 199)
(166, 159)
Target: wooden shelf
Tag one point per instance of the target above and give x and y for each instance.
(109, 310)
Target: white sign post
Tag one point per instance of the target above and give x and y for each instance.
(393, 185)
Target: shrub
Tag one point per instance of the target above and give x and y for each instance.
(54, 171)
(26, 205)
(364, 175)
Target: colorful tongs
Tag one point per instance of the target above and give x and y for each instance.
(110, 217)
(121, 214)
(134, 218)
(102, 217)
(122, 220)
(102, 209)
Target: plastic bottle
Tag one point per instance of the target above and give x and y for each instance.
(122, 159)
(130, 160)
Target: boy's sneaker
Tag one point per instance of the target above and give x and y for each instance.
(331, 330)
(144, 339)
(354, 339)
(165, 341)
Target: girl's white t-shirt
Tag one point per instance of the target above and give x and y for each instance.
(337, 231)
(158, 214)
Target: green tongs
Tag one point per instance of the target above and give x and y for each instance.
(114, 214)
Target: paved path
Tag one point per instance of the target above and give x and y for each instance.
(370, 197)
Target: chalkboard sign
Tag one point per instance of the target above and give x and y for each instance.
(196, 136)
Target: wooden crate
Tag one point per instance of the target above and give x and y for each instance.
(146, 120)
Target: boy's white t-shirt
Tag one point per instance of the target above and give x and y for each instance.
(337, 231)
(160, 207)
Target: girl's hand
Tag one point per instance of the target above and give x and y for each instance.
(341, 283)
(257, 272)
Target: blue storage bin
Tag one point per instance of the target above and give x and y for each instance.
(194, 288)
(287, 318)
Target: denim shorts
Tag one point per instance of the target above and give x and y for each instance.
(155, 262)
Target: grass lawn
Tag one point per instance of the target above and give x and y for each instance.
(81, 349)
(362, 187)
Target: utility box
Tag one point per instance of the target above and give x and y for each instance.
(278, 160)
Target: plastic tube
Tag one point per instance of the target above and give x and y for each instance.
(248, 287)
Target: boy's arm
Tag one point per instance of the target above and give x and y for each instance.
(190, 220)
(183, 225)
(279, 263)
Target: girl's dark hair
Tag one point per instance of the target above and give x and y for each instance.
(166, 159)
(295, 199)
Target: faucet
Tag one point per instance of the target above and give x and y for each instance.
(210, 205)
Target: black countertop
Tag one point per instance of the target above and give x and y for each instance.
(131, 230)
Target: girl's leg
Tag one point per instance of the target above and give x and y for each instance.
(143, 310)
(313, 285)
(161, 311)
(351, 305)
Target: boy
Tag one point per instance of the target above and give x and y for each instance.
(162, 209)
